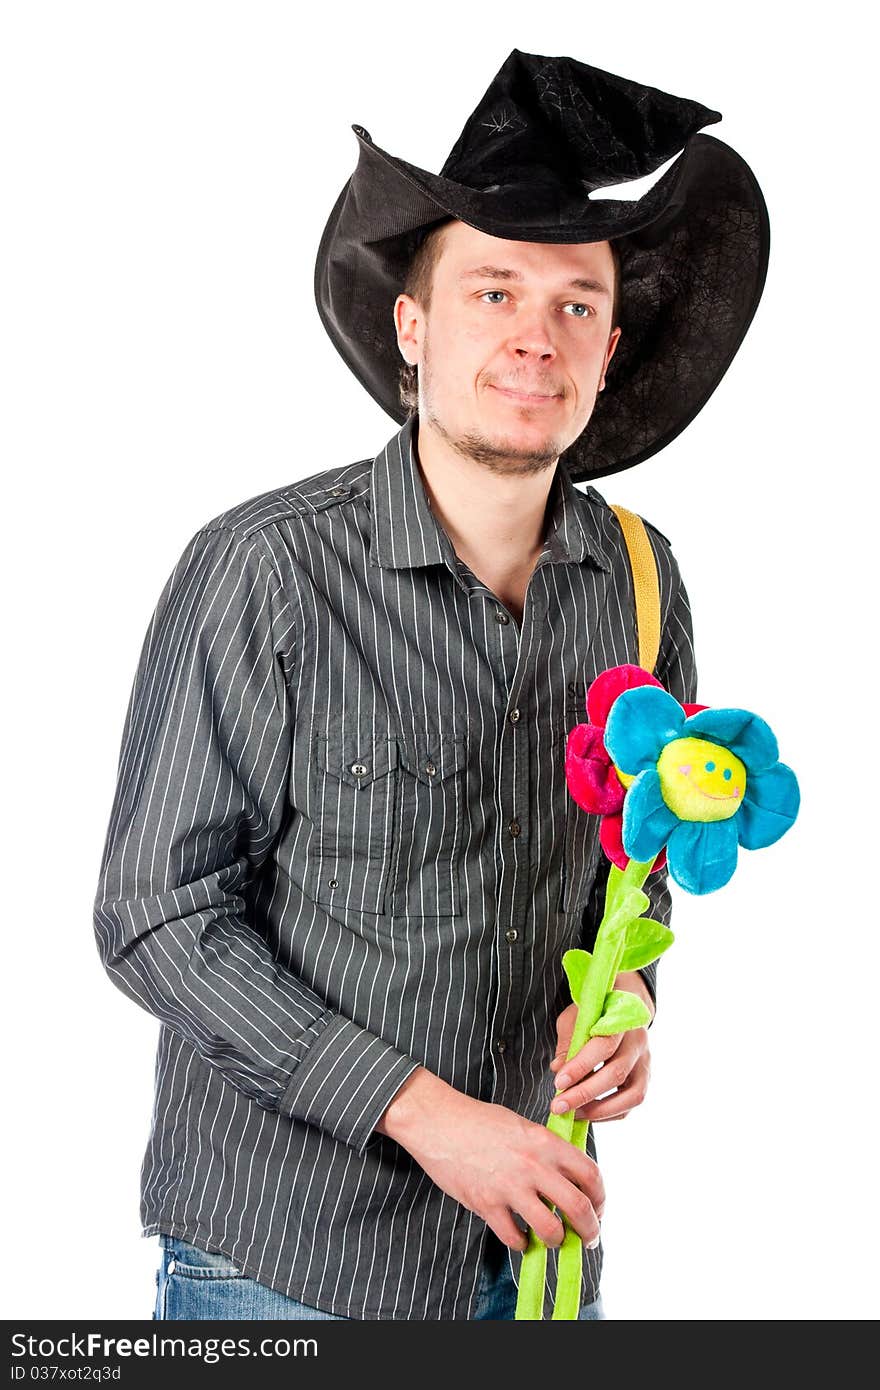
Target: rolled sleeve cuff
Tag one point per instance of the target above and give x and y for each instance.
(346, 1081)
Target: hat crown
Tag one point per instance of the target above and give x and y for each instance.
(555, 123)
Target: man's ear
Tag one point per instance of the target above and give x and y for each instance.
(613, 340)
(408, 325)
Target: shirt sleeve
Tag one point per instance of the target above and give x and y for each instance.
(201, 797)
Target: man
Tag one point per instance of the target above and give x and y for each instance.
(342, 866)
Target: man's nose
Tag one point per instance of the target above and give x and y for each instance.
(532, 338)
(534, 346)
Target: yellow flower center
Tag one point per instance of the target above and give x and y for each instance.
(701, 781)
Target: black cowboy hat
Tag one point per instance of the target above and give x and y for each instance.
(546, 134)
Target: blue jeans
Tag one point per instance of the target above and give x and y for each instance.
(191, 1283)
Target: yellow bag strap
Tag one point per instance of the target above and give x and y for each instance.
(646, 585)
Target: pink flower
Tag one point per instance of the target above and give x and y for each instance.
(593, 779)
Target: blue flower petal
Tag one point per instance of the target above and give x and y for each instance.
(769, 807)
(750, 738)
(702, 855)
(641, 723)
(647, 820)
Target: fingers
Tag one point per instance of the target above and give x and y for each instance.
(625, 1098)
(546, 1224)
(591, 1054)
(581, 1172)
(507, 1231)
(576, 1204)
(618, 1054)
(562, 1176)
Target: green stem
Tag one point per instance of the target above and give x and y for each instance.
(621, 907)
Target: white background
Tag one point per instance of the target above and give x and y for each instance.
(167, 170)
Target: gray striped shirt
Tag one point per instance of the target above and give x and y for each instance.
(341, 845)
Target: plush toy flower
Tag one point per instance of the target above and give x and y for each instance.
(593, 780)
(701, 784)
(689, 779)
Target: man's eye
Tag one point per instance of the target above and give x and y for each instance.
(587, 309)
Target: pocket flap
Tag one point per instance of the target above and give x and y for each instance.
(432, 758)
(355, 759)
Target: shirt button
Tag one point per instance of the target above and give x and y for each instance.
(500, 1045)
(501, 617)
(511, 935)
(513, 716)
(359, 769)
(333, 883)
(430, 768)
(514, 827)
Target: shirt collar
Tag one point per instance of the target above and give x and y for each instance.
(404, 531)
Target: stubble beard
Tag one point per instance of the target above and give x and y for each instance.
(494, 454)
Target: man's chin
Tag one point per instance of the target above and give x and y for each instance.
(530, 449)
(532, 444)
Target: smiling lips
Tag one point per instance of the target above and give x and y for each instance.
(526, 397)
(733, 796)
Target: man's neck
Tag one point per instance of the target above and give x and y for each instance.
(496, 522)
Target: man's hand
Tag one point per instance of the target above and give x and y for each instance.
(495, 1162)
(626, 1062)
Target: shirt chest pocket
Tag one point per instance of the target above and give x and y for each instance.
(354, 798)
(581, 850)
(390, 815)
(426, 875)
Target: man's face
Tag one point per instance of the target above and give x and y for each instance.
(512, 353)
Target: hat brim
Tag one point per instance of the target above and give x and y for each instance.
(693, 249)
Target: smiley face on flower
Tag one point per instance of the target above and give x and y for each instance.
(700, 784)
(693, 771)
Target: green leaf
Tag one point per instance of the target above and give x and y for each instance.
(575, 965)
(629, 904)
(634, 902)
(645, 941)
(623, 1011)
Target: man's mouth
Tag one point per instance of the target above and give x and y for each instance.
(526, 397)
